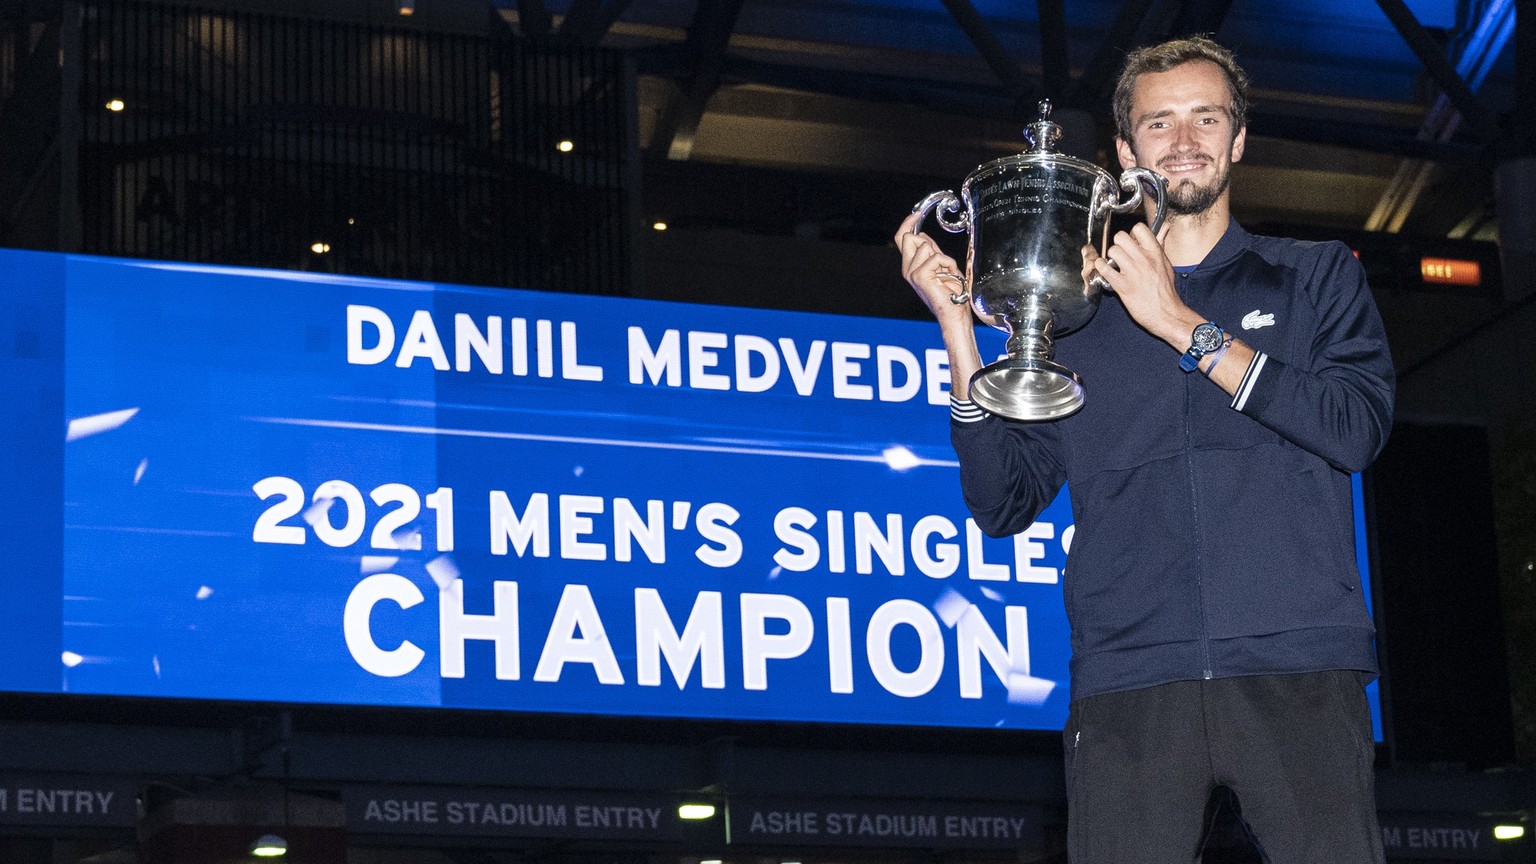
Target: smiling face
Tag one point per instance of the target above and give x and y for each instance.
(1182, 128)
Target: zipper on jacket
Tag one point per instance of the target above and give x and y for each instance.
(1194, 512)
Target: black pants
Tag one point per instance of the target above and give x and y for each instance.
(1296, 750)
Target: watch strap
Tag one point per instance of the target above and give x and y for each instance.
(1189, 361)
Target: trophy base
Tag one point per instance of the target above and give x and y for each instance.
(1027, 389)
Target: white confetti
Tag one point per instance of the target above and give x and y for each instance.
(443, 571)
(204, 592)
(155, 662)
(579, 470)
(316, 511)
(1025, 689)
(407, 538)
(377, 563)
(95, 424)
(992, 594)
(950, 606)
(138, 473)
(71, 659)
(776, 572)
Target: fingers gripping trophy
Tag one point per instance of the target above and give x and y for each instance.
(1037, 221)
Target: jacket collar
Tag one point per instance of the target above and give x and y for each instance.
(1232, 243)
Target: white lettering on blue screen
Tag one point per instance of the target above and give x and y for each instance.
(693, 359)
(772, 627)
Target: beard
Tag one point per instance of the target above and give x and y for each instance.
(1186, 198)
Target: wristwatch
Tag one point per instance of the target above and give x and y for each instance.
(1206, 338)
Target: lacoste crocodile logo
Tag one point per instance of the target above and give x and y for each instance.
(1253, 320)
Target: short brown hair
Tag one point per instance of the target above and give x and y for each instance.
(1177, 52)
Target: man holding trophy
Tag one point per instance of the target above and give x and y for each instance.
(1225, 389)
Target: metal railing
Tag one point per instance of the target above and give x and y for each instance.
(282, 141)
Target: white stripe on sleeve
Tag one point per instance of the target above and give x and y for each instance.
(964, 410)
(1250, 378)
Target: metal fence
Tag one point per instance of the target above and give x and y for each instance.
(284, 141)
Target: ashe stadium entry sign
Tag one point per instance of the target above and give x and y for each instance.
(258, 485)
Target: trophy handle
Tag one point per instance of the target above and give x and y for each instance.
(1132, 181)
(948, 204)
(960, 220)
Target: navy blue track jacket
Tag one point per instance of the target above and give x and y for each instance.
(1214, 535)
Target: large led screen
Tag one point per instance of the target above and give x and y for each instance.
(258, 485)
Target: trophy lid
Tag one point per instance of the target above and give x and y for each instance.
(1042, 134)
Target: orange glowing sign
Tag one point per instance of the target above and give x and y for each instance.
(1450, 271)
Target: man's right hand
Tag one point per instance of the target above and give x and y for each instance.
(932, 274)
(936, 279)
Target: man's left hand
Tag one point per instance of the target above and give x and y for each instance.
(1140, 273)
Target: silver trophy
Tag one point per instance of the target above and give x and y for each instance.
(1037, 221)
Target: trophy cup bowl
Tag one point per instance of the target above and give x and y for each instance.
(1037, 222)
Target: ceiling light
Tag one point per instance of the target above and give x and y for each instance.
(696, 811)
(269, 846)
(1508, 832)
(406, 7)
(659, 225)
(319, 248)
(116, 105)
(565, 146)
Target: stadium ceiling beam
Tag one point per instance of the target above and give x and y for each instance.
(704, 57)
(996, 56)
(1093, 87)
(1479, 50)
(996, 105)
(1432, 54)
(1055, 67)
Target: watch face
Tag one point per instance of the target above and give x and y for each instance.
(1206, 338)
